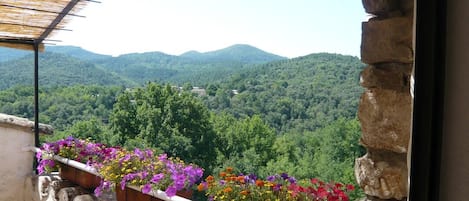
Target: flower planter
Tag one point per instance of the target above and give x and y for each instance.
(130, 194)
(80, 177)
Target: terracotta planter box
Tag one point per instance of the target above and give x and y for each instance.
(130, 194)
(80, 177)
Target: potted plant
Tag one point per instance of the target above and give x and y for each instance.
(230, 186)
(72, 150)
(143, 170)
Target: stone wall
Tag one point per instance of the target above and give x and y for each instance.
(385, 106)
(53, 188)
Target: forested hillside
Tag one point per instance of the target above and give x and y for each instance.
(194, 67)
(55, 70)
(300, 94)
(73, 64)
(7, 54)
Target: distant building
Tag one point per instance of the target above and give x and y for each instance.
(199, 91)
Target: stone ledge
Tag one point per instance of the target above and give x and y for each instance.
(23, 124)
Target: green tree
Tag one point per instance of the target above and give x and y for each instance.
(245, 144)
(174, 122)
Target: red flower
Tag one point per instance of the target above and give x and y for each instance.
(338, 185)
(322, 193)
(314, 180)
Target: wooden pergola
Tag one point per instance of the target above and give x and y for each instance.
(28, 24)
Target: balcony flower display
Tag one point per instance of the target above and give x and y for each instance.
(147, 171)
(118, 167)
(229, 186)
(83, 151)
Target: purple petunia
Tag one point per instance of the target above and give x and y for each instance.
(171, 191)
(292, 180)
(139, 153)
(157, 178)
(271, 178)
(284, 176)
(146, 188)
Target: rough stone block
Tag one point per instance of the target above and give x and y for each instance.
(385, 119)
(388, 40)
(382, 174)
(85, 197)
(107, 196)
(379, 7)
(387, 76)
(69, 193)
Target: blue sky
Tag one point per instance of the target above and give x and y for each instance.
(289, 28)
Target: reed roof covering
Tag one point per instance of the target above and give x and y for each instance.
(24, 23)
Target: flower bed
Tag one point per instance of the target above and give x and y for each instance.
(151, 174)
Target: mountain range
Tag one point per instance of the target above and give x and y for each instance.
(68, 65)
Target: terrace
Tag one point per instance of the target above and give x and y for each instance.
(440, 68)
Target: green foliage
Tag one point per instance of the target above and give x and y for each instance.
(297, 95)
(55, 70)
(245, 144)
(92, 129)
(61, 107)
(167, 119)
(327, 153)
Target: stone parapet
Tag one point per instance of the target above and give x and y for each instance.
(23, 124)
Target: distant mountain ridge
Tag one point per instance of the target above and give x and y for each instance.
(7, 54)
(77, 52)
(240, 53)
(69, 65)
(56, 70)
